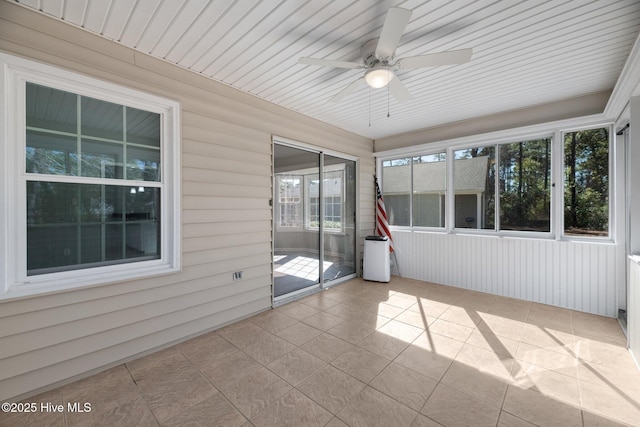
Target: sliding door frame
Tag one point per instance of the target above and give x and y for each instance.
(322, 285)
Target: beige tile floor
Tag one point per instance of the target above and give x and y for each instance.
(405, 353)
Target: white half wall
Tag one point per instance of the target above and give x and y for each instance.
(634, 308)
(576, 275)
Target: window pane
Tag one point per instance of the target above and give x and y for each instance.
(525, 183)
(51, 154)
(289, 201)
(586, 174)
(143, 127)
(474, 183)
(51, 112)
(101, 119)
(312, 188)
(314, 212)
(143, 164)
(74, 226)
(51, 109)
(90, 241)
(333, 189)
(102, 159)
(396, 187)
(429, 188)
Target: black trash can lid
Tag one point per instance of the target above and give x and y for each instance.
(378, 238)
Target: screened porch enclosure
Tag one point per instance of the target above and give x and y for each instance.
(314, 219)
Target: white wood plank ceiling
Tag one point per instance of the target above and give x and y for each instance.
(526, 52)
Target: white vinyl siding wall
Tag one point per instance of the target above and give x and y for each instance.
(226, 217)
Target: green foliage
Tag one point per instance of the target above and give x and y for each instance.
(328, 225)
(586, 206)
(524, 173)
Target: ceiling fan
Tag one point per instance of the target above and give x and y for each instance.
(379, 63)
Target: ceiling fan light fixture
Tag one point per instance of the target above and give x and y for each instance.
(378, 77)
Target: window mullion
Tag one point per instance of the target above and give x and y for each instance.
(103, 224)
(124, 142)
(321, 207)
(450, 192)
(411, 193)
(79, 135)
(613, 149)
(91, 180)
(498, 195)
(557, 184)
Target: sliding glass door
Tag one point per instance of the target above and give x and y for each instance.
(296, 259)
(314, 214)
(339, 231)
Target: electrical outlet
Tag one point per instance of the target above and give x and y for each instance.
(237, 275)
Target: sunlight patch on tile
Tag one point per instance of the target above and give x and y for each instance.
(302, 267)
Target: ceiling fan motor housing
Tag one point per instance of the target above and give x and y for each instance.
(369, 54)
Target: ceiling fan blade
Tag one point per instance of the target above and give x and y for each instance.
(436, 59)
(394, 25)
(399, 90)
(346, 91)
(329, 63)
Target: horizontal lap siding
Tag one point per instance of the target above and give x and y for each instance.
(576, 275)
(226, 217)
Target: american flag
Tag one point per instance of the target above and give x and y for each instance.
(382, 223)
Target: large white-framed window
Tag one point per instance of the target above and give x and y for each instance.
(543, 182)
(92, 179)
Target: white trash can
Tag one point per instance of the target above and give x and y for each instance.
(376, 266)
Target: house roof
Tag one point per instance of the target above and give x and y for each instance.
(430, 177)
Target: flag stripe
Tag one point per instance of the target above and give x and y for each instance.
(382, 221)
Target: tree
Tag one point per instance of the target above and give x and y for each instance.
(587, 181)
(524, 185)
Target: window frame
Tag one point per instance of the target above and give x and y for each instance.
(552, 130)
(412, 193)
(308, 178)
(409, 193)
(496, 187)
(279, 204)
(610, 186)
(552, 177)
(15, 73)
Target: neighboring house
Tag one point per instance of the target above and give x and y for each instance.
(429, 185)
